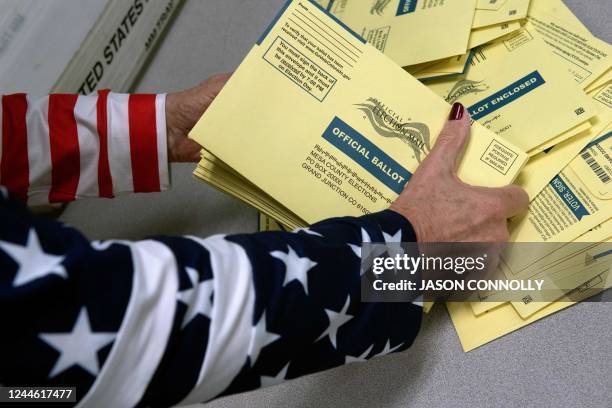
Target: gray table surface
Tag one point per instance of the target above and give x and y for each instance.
(563, 360)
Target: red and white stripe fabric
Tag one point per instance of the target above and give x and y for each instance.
(62, 147)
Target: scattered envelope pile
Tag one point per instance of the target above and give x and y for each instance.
(338, 102)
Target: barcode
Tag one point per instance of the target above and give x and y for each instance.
(477, 57)
(601, 173)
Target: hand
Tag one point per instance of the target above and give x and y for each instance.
(442, 208)
(183, 110)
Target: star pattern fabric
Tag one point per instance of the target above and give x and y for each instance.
(267, 381)
(79, 347)
(393, 238)
(360, 358)
(336, 320)
(356, 248)
(260, 338)
(308, 231)
(393, 242)
(387, 349)
(198, 298)
(180, 320)
(296, 267)
(33, 261)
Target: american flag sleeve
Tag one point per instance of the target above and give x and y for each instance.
(179, 320)
(62, 147)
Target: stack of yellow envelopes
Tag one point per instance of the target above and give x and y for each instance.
(431, 39)
(567, 177)
(338, 103)
(314, 129)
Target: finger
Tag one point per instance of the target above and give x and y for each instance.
(215, 83)
(514, 200)
(448, 151)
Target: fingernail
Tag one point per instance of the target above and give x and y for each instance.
(456, 112)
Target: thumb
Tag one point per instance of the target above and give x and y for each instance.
(450, 145)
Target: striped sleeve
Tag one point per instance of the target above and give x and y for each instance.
(63, 147)
(181, 320)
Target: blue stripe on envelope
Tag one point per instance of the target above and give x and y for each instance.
(367, 155)
(569, 198)
(406, 7)
(507, 95)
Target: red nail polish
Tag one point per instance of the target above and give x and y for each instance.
(456, 112)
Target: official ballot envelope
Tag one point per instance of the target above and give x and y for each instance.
(517, 90)
(573, 209)
(574, 201)
(560, 12)
(329, 133)
(483, 35)
(582, 55)
(411, 31)
(445, 68)
(499, 12)
(474, 331)
(542, 167)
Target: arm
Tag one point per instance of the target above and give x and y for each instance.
(184, 320)
(62, 147)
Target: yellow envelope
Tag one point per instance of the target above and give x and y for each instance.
(563, 137)
(569, 209)
(600, 82)
(413, 69)
(447, 68)
(583, 56)
(564, 210)
(575, 201)
(509, 11)
(515, 89)
(226, 185)
(265, 223)
(542, 167)
(603, 94)
(490, 4)
(475, 331)
(569, 266)
(320, 136)
(559, 11)
(561, 270)
(594, 166)
(484, 35)
(484, 306)
(219, 175)
(551, 268)
(589, 240)
(411, 31)
(563, 276)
